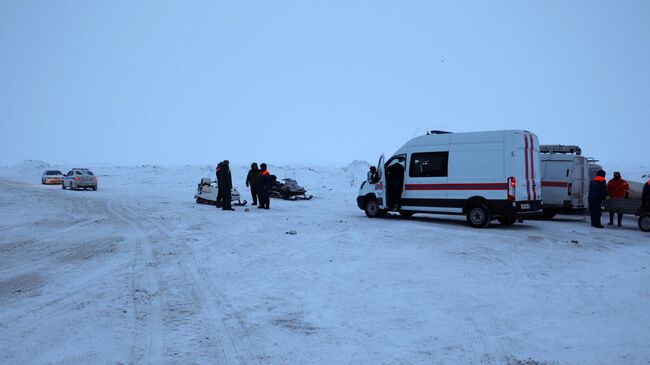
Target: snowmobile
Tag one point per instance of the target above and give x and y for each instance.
(206, 193)
(288, 190)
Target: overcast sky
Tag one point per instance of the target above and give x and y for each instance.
(311, 82)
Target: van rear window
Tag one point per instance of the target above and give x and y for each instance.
(429, 164)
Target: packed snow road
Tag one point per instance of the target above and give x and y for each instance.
(137, 273)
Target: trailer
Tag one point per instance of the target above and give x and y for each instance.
(630, 206)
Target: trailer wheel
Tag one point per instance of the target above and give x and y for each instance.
(507, 221)
(478, 216)
(372, 208)
(644, 222)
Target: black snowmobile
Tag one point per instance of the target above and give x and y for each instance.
(288, 189)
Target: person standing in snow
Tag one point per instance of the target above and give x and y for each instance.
(217, 203)
(225, 185)
(253, 180)
(645, 196)
(597, 195)
(265, 182)
(395, 182)
(619, 189)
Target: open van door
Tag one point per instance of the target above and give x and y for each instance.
(380, 187)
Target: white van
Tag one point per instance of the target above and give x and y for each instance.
(565, 179)
(483, 175)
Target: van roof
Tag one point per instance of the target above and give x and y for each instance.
(444, 138)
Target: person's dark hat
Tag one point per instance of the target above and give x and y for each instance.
(263, 166)
(617, 174)
(601, 173)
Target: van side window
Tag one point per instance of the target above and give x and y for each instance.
(430, 164)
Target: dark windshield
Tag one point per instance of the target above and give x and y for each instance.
(89, 172)
(53, 172)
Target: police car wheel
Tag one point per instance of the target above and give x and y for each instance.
(372, 208)
(644, 222)
(478, 216)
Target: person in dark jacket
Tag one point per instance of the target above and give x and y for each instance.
(253, 180)
(217, 203)
(395, 181)
(373, 176)
(265, 182)
(645, 196)
(225, 185)
(597, 195)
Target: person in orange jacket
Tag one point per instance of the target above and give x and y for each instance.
(617, 188)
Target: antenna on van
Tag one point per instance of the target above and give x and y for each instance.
(438, 131)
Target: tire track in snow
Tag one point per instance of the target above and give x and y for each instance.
(148, 335)
(213, 303)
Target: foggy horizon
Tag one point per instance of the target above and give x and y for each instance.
(316, 84)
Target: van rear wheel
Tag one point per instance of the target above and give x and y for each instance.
(372, 208)
(507, 221)
(478, 216)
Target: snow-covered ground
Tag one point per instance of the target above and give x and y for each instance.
(137, 273)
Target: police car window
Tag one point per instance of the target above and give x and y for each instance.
(89, 172)
(430, 164)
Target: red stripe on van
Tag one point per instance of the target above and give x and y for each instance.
(532, 165)
(379, 187)
(555, 184)
(458, 186)
(526, 159)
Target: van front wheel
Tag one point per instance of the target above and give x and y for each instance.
(478, 216)
(372, 208)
